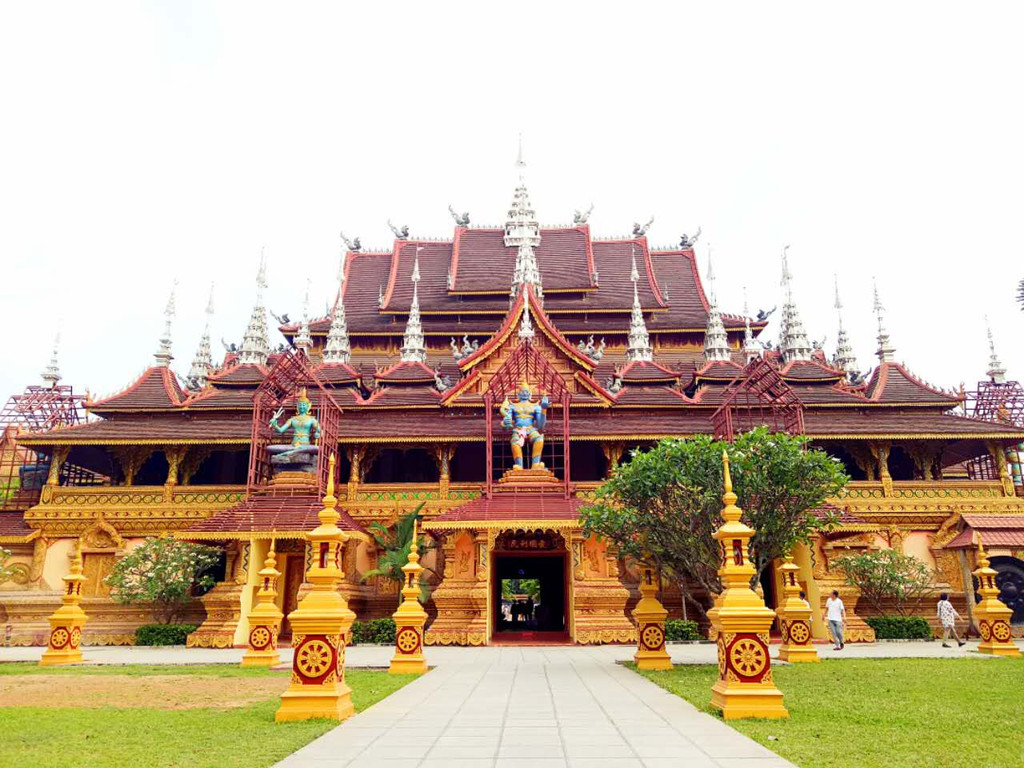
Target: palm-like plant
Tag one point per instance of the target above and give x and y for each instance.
(395, 543)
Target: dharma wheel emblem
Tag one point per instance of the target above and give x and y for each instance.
(259, 638)
(408, 640)
(986, 632)
(653, 637)
(59, 638)
(76, 637)
(314, 658)
(1001, 631)
(799, 633)
(748, 657)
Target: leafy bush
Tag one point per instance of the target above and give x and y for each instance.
(379, 631)
(900, 627)
(163, 634)
(888, 576)
(677, 629)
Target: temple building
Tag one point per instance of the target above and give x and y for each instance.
(496, 377)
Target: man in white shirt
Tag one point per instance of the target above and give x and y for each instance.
(835, 615)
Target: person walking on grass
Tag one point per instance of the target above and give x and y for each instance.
(948, 617)
(835, 615)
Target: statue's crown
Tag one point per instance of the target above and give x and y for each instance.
(525, 385)
(302, 397)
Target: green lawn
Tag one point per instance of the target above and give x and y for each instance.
(245, 736)
(861, 713)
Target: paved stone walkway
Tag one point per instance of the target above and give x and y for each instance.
(536, 707)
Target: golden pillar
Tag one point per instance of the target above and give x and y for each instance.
(410, 618)
(67, 621)
(992, 615)
(320, 624)
(795, 618)
(650, 617)
(744, 687)
(265, 618)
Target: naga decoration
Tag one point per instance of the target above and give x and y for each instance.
(301, 454)
(468, 348)
(461, 220)
(400, 233)
(526, 419)
(353, 245)
(581, 217)
(587, 348)
(639, 230)
(688, 242)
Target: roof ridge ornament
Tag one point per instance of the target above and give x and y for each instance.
(202, 363)
(582, 217)
(521, 226)
(461, 219)
(640, 230)
(716, 340)
(885, 351)
(751, 348)
(400, 233)
(163, 354)
(996, 371)
(638, 348)
(302, 340)
(793, 343)
(414, 348)
(353, 245)
(337, 349)
(526, 332)
(51, 374)
(845, 360)
(255, 343)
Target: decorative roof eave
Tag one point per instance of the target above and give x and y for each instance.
(911, 436)
(258, 535)
(55, 438)
(881, 378)
(606, 397)
(175, 394)
(452, 394)
(494, 525)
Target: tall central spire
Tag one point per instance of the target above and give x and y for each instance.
(163, 354)
(793, 343)
(255, 344)
(414, 348)
(996, 372)
(844, 360)
(202, 363)
(716, 340)
(751, 348)
(521, 226)
(51, 375)
(338, 349)
(639, 345)
(302, 339)
(885, 350)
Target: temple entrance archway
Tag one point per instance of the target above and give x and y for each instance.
(530, 601)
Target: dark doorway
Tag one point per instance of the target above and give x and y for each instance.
(529, 594)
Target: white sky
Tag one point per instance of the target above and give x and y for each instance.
(142, 142)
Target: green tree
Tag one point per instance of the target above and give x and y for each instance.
(663, 505)
(395, 543)
(528, 587)
(887, 576)
(165, 571)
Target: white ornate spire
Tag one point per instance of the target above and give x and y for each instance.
(885, 349)
(521, 227)
(716, 341)
(639, 345)
(793, 343)
(844, 360)
(302, 339)
(255, 344)
(751, 348)
(996, 372)
(163, 353)
(414, 348)
(526, 332)
(338, 349)
(202, 363)
(51, 375)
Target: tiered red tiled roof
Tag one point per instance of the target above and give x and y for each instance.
(155, 429)
(525, 507)
(810, 370)
(283, 516)
(993, 530)
(892, 383)
(240, 375)
(157, 389)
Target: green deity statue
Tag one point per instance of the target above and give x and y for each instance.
(301, 455)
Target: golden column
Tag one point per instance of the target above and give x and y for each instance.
(992, 614)
(265, 618)
(650, 617)
(795, 618)
(320, 625)
(67, 621)
(410, 618)
(744, 687)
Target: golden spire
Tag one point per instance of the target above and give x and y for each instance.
(731, 512)
(329, 515)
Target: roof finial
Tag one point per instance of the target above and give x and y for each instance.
(751, 349)
(844, 360)
(639, 345)
(996, 372)
(51, 375)
(793, 343)
(716, 340)
(885, 348)
(337, 349)
(255, 344)
(526, 332)
(521, 227)
(163, 354)
(302, 339)
(202, 363)
(414, 348)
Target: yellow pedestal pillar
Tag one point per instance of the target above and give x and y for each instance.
(265, 618)
(320, 625)
(992, 614)
(410, 618)
(650, 617)
(744, 687)
(66, 623)
(795, 619)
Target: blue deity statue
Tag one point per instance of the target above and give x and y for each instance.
(301, 454)
(526, 419)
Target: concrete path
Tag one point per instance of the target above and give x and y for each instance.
(535, 707)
